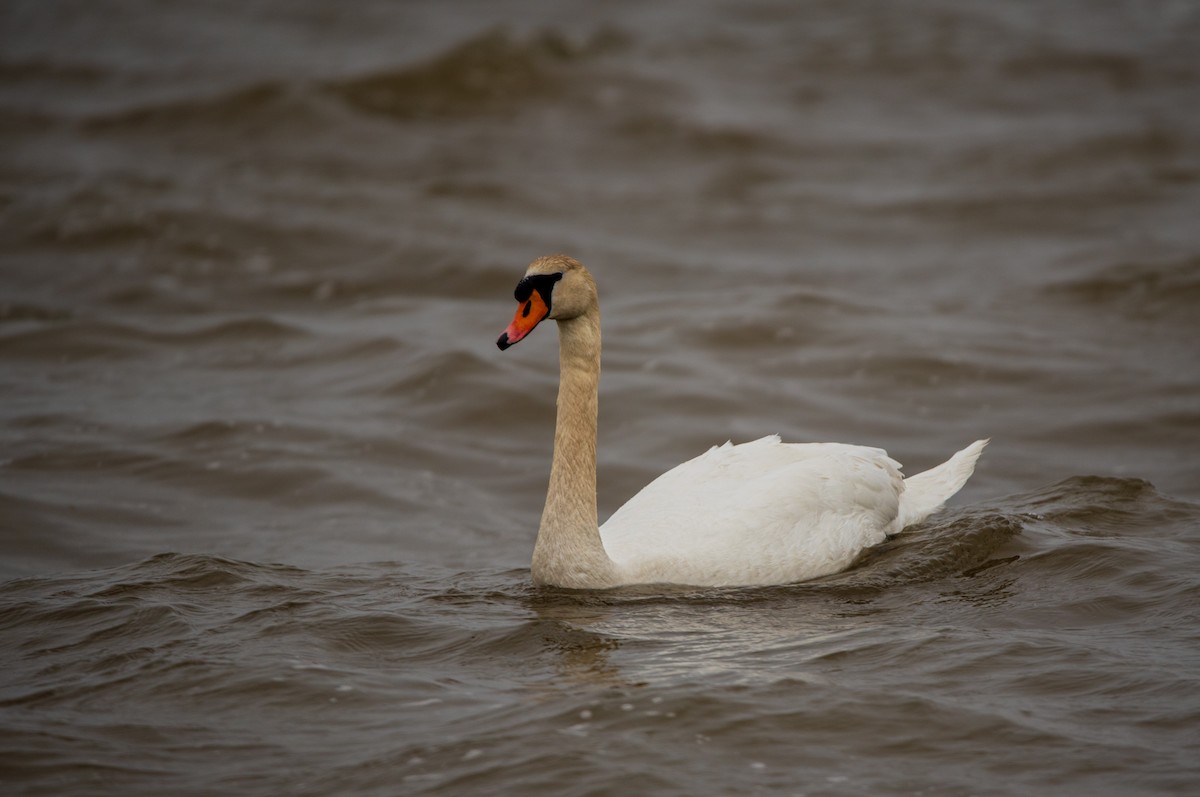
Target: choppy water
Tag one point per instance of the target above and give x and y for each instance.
(268, 492)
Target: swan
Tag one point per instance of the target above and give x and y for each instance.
(754, 514)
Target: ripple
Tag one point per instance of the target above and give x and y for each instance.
(490, 73)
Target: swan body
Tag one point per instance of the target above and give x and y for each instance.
(758, 513)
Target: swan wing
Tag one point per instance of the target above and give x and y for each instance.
(763, 512)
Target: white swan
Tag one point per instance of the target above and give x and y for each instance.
(752, 514)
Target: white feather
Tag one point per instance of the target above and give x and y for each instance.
(768, 512)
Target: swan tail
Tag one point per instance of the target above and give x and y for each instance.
(927, 492)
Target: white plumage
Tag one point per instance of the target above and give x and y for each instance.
(767, 512)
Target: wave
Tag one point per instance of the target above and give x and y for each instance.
(1137, 289)
(490, 73)
(246, 464)
(78, 339)
(23, 312)
(209, 640)
(22, 71)
(239, 107)
(1119, 70)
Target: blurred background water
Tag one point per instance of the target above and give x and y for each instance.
(268, 491)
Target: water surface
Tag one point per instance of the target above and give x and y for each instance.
(268, 491)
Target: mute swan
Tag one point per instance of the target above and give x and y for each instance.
(757, 513)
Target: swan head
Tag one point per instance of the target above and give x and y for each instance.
(556, 287)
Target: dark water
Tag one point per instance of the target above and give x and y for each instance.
(268, 491)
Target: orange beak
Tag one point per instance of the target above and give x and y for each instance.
(529, 314)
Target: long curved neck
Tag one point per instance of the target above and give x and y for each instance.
(569, 552)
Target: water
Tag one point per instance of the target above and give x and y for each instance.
(268, 491)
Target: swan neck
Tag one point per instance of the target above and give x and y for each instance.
(569, 552)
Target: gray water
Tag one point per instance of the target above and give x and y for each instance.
(268, 491)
